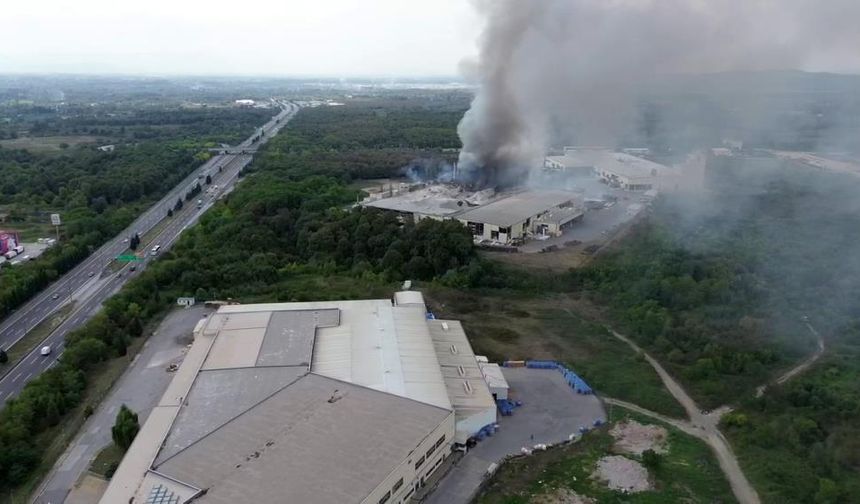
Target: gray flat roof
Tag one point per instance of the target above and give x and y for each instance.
(516, 207)
(317, 440)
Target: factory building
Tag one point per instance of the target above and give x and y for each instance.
(620, 169)
(568, 165)
(520, 215)
(323, 402)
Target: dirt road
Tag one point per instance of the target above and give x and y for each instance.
(799, 368)
(704, 426)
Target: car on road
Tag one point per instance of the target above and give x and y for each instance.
(46, 350)
(133, 268)
(91, 273)
(55, 296)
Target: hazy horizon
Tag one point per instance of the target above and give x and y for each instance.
(306, 39)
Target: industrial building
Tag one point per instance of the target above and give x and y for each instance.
(521, 215)
(322, 402)
(436, 201)
(569, 165)
(618, 169)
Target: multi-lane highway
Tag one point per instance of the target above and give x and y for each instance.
(91, 282)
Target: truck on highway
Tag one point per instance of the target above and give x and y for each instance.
(14, 251)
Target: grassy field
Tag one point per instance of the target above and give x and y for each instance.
(107, 461)
(513, 325)
(687, 473)
(33, 338)
(48, 143)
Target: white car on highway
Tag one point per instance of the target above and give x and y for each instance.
(46, 350)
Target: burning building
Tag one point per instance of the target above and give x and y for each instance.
(500, 218)
(518, 216)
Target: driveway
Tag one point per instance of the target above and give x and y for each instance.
(140, 388)
(551, 412)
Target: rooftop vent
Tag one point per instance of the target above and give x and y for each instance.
(454, 349)
(444, 326)
(468, 387)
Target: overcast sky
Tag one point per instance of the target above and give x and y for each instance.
(268, 37)
(255, 37)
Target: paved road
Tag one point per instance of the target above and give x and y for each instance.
(140, 388)
(91, 283)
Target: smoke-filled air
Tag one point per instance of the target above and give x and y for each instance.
(572, 68)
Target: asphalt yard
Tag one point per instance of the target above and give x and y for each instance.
(550, 414)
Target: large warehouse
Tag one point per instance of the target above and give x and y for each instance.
(620, 169)
(523, 214)
(322, 402)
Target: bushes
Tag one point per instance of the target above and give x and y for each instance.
(125, 427)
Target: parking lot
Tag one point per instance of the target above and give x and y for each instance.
(551, 412)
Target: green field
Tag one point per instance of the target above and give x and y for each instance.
(48, 143)
(515, 325)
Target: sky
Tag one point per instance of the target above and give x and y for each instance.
(337, 38)
(331, 38)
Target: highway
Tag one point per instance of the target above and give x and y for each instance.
(90, 283)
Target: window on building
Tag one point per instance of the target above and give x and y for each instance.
(440, 441)
(397, 485)
(431, 450)
(409, 493)
(419, 463)
(385, 498)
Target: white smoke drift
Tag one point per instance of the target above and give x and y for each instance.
(576, 65)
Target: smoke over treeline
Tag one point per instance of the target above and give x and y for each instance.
(575, 68)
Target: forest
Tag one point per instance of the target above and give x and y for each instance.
(100, 193)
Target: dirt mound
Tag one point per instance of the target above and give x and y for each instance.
(621, 473)
(633, 437)
(561, 496)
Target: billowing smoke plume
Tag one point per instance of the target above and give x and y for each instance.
(575, 66)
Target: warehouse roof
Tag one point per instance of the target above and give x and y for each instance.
(517, 207)
(316, 401)
(314, 440)
(463, 379)
(624, 165)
